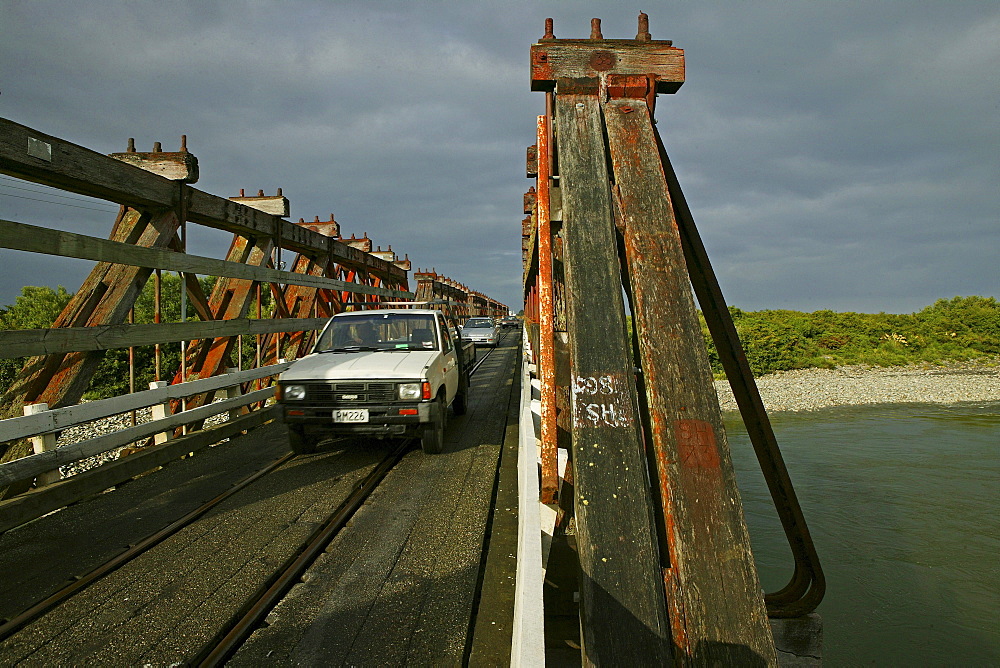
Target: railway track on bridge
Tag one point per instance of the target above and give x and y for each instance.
(13, 625)
(258, 609)
(269, 592)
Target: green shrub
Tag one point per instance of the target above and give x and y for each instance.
(961, 328)
(35, 308)
(776, 340)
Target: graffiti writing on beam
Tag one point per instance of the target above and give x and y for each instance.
(601, 401)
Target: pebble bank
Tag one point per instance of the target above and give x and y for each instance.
(812, 389)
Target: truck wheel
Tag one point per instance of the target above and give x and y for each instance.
(300, 443)
(432, 440)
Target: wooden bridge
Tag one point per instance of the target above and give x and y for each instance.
(585, 509)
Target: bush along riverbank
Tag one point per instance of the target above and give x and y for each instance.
(946, 353)
(961, 329)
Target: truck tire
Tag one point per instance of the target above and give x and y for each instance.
(432, 440)
(301, 443)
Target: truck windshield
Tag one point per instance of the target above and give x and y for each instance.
(379, 331)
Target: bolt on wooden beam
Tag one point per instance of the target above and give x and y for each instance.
(276, 205)
(328, 228)
(553, 59)
(176, 166)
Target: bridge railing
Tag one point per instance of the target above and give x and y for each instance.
(42, 426)
(328, 273)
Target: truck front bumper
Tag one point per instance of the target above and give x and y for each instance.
(396, 419)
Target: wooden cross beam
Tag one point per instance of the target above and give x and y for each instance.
(553, 59)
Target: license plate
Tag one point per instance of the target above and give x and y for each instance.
(351, 415)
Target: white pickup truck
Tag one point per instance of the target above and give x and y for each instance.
(386, 372)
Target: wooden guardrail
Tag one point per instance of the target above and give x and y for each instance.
(52, 492)
(148, 237)
(327, 274)
(35, 156)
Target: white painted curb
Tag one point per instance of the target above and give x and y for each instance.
(528, 641)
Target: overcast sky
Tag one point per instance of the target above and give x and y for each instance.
(841, 155)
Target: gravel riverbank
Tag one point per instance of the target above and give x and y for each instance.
(812, 389)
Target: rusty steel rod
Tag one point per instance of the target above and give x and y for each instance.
(157, 285)
(546, 339)
(257, 383)
(131, 364)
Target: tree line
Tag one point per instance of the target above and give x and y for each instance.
(950, 330)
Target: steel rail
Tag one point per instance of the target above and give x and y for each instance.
(252, 614)
(14, 624)
(255, 611)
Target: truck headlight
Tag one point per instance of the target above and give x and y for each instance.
(409, 391)
(293, 392)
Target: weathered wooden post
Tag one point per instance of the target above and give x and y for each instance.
(622, 600)
(619, 233)
(42, 443)
(160, 411)
(709, 547)
(232, 392)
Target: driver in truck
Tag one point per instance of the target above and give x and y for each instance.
(365, 335)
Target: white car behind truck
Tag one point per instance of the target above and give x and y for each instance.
(386, 372)
(482, 331)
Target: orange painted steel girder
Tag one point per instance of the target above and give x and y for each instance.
(546, 362)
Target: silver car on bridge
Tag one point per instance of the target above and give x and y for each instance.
(481, 331)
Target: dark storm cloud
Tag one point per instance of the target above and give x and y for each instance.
(835, 155)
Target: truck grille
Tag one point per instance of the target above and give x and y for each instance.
(353, 392)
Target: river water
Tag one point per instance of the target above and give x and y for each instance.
(903, 503)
